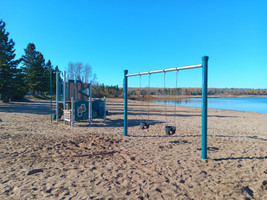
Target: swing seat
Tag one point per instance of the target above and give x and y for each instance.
(144, 125)
(170, 130)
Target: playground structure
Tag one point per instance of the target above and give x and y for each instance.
(172, 129)
(74, 101)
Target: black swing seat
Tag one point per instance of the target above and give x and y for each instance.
(170, 130)
(144, 125)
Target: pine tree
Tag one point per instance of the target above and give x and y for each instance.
(8, 64)
(35, 69)
(20, 85)
(49, 67)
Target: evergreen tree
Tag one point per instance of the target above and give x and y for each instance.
(54, 79)
(48, 70)
(20, 85)
(8, 64)
(35, 69)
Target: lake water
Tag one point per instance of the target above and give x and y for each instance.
(249, 104)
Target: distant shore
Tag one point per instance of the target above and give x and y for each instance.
(179, 97)
(143, 98)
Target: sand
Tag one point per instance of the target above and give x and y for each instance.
(43, 161)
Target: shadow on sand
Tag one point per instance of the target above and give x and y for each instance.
(35, 107)
(240, 158)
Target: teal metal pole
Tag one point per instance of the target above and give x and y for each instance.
(125, 102)
(57, 96)
(204, 105)
(51, 73)
(64, 95)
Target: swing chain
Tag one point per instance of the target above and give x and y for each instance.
(148, 98)
(143, 125)
(141, 114)
(176, 93)
(165, 97)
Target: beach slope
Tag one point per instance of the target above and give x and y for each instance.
(40, 160)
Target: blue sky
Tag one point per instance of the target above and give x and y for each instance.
(144, 35)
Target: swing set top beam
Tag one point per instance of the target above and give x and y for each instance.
(166, 70)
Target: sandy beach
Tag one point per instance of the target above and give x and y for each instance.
(40, 160)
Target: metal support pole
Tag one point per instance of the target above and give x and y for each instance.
(57, 96)
(125, 102)
(72, 112)
(204, 105)
(68, 89)
(51, 107)
(105, 109)
(90, 104)
(75, 90)
(59, 91)
(64, 95)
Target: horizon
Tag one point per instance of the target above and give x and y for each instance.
(112, 36)
(198, 88)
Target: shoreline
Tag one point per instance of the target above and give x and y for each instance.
(170, 101)
(172, 97)
(218, 106)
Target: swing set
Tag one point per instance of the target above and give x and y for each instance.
(144, 124)
(170, 130)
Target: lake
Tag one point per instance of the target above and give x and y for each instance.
(249, 104)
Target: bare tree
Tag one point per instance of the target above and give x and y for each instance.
(78, 70)
(94, 79)
(71, 67)
(87, 71)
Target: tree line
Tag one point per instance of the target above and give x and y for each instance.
(30, 73)
(108, 90)
(135, 93)
(196, 91)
